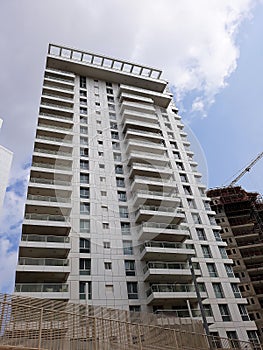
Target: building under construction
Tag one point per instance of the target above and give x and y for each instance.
(240, 214)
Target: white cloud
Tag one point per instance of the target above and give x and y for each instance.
(8, 260)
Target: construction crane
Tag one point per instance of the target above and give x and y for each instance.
(247, 169)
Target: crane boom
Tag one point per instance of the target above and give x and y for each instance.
(250, 165)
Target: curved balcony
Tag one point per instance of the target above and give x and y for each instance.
(160, 214)
(134, 145)
(53, 167)
(33, 197)
(152, 183)
(152, 158)
(163, 293)
(56, 153)
(167, 272)
(166, 251)
(155, 198)
(51, 139)
(44, 181)
(155, 137)
(158, 171)
(163, 232)
(137, 107)
(56, 118)
(43, 290)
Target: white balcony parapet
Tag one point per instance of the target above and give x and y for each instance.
(56, 116)
(172, 288)
(49, 151)
(51, 166)
(55, 139)
(48, 198)
(41, 180)
(48, 76)
(52, 105)
(166, 245)
(45, 238)
(70, 99)
(164, 226)
(52, 127)
(166, 266)
(46, 217)
(43, 261)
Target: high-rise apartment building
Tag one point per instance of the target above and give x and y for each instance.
(5, 165)
(240, 214)
(115, 211)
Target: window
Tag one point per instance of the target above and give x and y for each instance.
(243, 312)
(84, 152)
(122, 196)
(83, 110)
(113, 126)
(84, 226)
(115, 145)
(132, 289)
(176, 155)
(117, 157)
(111, 107)
(102, 179)
(84, 192)
(196, 218)
(101, 166)
(107, 265)
(83, 120)
(99, 132)
(106, 245)
(183, 177)
(99, 122)
(252, 336)
(207, 205)
(115, 135)
(223, 252)
(211, 269)
(127, 248)
(118, 169)
(218, 290)
(84, 245)
(100, 154)
(83, 129)
(125, 228)
(97, 104)
(179, 166)
(105, 225)
(109, 91)
(212, 220)
(82, 82)
(84, 178)
(108, 84)
(236, 290)
(216, 341)
(84, 140)
(135, 308)
(112, 115)
(83, 93)
(217, 236)
(103, 193)
(129, 267)
(84, 266)
(109, 288)
(100, 142)
(84, 164)
(123, 212)
(84, 290)
(229, 270)
(110, 99)
(206, 251)
(120, 182)
(187, 190)
(233, 339)
(84, 208)
(225, 313)
(201, 234)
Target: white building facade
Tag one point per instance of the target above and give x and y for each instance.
(116, 209)
(6, 157)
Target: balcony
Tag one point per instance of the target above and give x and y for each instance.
(185, 313)
(43, 265)
(41, 243)
(53, 140)
(139, 116)
(155, 198)
(46, 223)
(163, 293)
(151, 183)
(60, 93)
(52, 200)
(160, 214)
(52, 167)
(167, 272)
(162, 232)
(128, 97)
(166, 251)
(56, 106)
(135, 145)
(142, 126)
(54, 127)
(143, 135)
(137, 107)
(153, 159)
(43, 290)
(158, 171)
(55, 77)
(56, 118)
(52, 182)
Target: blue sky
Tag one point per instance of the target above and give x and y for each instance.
(210, 51)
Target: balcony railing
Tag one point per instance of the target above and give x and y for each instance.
(56, 116)
(55, 139)
(146, 165)
(43, 262)
(49, 126)
(48, 76)
(45, 239)
(41, 287)
(157, 209)
(145, 132)
(164, 226)
(50, 181)
(46, 217)
(165, 245)
(183, 313)
(156, 193)
(172, 288)
(166, 266)
(52, 166)
(48, 198)
(58, 96)
(148, 179)
(52, 105)
(49, 151)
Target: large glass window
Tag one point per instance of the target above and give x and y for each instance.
(129, 267)
(132, 289)
(212, 269)
(84, 245)
(84, 266)
(84, 208)
(225, 313)
(84, 192)
(206, 251)
(127, 248)
(84, 225)
(218, 290)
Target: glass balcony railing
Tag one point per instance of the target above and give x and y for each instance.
(55, 139)
(172, 288)
(166, 266)
(164, 226)
(58, 96)
(46, 217)
(145, 132)
(51, 166)
(50, 181)
(43, 262)
(165, 245)
(156, 193)
(41, 288)
(52, 127)
(48, 198)
(49, 151)
(151, 166)
(56, 116)
(45, 239)
(48, 76)
(184, 313)
(52, 105)
(157, 209)
(148, 179)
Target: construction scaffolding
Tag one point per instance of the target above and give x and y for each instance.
(31, 323)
